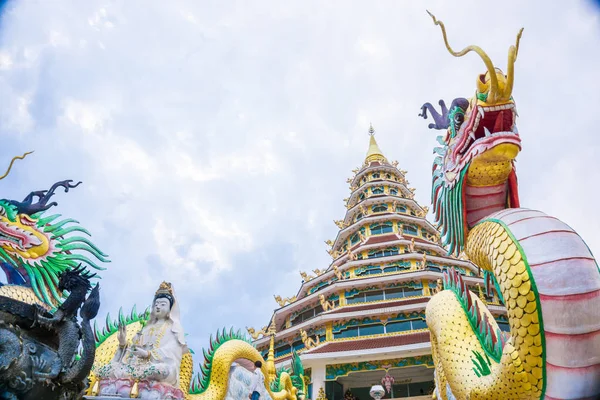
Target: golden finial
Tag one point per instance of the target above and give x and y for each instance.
(12, 162)
(374, 153)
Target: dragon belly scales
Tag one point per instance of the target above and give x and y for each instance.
(544, 272)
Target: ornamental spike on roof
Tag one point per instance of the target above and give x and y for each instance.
(374, 153)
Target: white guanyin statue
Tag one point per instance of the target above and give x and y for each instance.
(149, 366)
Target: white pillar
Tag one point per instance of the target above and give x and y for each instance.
(318, 379)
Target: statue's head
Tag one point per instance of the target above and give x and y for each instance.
(163, 301)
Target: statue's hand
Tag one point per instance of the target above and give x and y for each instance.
(122, 335)
(141, 353)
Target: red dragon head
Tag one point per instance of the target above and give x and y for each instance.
(479, 146)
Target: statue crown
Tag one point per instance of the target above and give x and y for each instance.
(165, 288)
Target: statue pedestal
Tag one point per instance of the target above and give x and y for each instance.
(101, 397)
(147, 390)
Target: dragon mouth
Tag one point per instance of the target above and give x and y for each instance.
(491, 126)
(17, 238)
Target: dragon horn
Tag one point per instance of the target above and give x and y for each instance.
(12, 162)
(486, 59)
(513, 51)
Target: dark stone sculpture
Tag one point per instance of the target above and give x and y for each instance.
(39, 351)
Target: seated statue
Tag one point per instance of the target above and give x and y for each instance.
(148, 367)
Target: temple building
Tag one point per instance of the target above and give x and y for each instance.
(362, 319)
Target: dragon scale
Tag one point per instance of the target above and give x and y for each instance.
(541, 268)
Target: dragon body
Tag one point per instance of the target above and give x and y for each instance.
(212, 382)
(542, 269)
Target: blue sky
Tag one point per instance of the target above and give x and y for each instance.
(214, 138)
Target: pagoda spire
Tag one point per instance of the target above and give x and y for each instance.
(374, 153)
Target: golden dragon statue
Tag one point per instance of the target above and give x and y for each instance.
(542, 270)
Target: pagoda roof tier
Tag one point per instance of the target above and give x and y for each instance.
(404, 256)
(392, 239)
(355, 193)
(301, 295)
(375, 166)
(380, 199)
(355, 310)
(407, 305)
(345, 233)
(395, 340)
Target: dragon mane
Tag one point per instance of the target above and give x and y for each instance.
(65, 252)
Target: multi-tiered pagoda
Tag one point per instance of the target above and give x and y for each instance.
(363, 319)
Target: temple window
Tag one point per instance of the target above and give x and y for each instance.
(387, 294)
(358, 217)
(410, 325)
(410, 229)
(379, 208)
(393, 268)
(373, 329)
(393, 191)
(306, 315)
(377, 190)
(354, 239)
(380, 228)
(374, 295)
(282, 350)
(390, 251)
(375, 175)
(400, 208)
(388, 176)
(297, 345)
(379, 329)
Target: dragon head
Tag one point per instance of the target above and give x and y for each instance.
(38, 248)
(479, 146)
(74, 278)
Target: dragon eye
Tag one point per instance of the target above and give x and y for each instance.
(459, 118)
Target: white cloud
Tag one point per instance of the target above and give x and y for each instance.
(214, 140)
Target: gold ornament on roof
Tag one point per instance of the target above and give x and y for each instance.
(411, 246)
(305, 276)
(362, 237)
(283, 302)
(255, 335)
(338, 273)
(395, 163)
(329, 243)
(309, 343)
(326, 304)
(340, 223)
(318, 272)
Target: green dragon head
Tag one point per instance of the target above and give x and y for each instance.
(35, 249)
(479, 146)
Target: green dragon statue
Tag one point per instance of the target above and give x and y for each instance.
(36, 248)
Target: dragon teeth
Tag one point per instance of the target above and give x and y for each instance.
(486, 131)
(481, 112)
